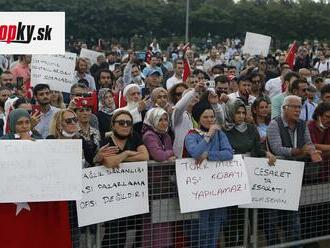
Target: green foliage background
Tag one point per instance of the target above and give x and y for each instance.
(284, 20)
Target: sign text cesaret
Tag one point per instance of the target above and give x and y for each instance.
(32, 32)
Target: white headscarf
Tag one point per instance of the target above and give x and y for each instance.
(155, 116)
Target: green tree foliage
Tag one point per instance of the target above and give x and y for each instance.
(282, 19)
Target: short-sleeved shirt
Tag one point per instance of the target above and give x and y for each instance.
(132, 143)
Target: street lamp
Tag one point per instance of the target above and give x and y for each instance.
(187, 21)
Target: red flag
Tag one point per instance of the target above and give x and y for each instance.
(186, 64)
(291, 54)
(36, 224)
(186, 69)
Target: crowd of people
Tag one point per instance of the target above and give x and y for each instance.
(126, 108)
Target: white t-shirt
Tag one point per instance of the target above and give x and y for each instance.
(274, 86)
(322, 66)
(208, 64)
(172, 81)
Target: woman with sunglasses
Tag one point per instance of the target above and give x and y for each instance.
(64, 125)
(123, 143)
(90, 136)
(175, 93)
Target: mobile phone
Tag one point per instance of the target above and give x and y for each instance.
(19, 83)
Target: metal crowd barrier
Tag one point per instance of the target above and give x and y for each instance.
(165, 226)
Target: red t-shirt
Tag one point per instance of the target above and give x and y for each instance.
(318, 136)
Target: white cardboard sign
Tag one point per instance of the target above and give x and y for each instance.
(32, 32)
(256, 44)
(212, 184)
(90, 54)
(276, 187)
(55, 70)
(42, 170)
(110, 194)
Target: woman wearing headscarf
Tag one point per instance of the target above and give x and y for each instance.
(135, 105)
(34, 216)
(207, 142)
(106, 108)
(159, 145)
(20, 126)
(245, 139)
(156, 139)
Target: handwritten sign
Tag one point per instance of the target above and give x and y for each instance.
(55, 70)
(276, 187)
(90, 54)
(212, 184)
(43, 170)
(256, 44)
(110, 194)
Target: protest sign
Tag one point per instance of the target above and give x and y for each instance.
(275, 187)
(43, 170)
(256, 44)
(211, 184)
(90, 54)
(110, 194)
(55, 70)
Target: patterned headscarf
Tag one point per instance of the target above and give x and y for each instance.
(102, 106)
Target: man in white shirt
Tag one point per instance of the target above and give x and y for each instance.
(81, 73)
(212, 61)
(244, 90)
(177, 77)
(273, 86)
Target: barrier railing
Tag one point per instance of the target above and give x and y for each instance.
(165, 226)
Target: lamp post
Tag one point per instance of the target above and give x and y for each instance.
(187, 21)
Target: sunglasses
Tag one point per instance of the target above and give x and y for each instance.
(122, 123)
(72, 120)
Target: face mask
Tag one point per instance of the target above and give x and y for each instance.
(237, 57)
(136, 79)
(327, 80)
(199, 67)
(67, 135)
(309, 79)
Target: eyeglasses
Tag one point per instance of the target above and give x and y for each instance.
(72, 120)
(122, 123)
(294, 106)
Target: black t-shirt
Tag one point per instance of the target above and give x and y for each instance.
(132, 143)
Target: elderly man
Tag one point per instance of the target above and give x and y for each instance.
(288, 135)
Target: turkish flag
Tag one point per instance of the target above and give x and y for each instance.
(290, 57)
(35, 225)
(186, 69)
